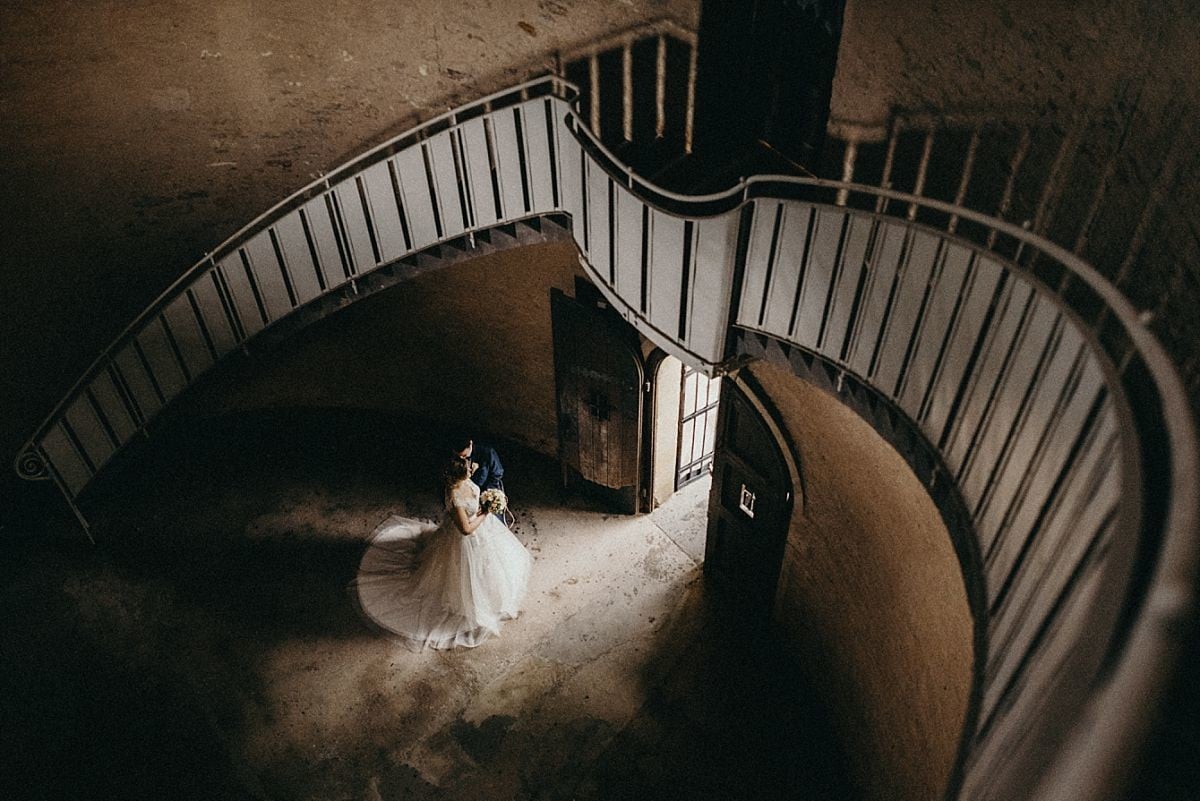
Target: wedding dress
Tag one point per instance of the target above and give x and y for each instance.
(435, 587)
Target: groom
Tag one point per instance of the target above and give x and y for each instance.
(490, 474)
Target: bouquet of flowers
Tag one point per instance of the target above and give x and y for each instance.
(493, 501)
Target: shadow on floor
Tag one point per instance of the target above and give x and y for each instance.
(726, 717)
(128, 668)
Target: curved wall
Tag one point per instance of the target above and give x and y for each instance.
(468, 345)
(871, 596)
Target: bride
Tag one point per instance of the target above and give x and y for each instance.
(447, 585)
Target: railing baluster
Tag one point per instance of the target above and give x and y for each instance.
(1052, 187)
(627, 91)
(1158, 193)
(885, 180)
(594, 81)
(690, 117)
(922, 169)
(849, 158)
(660, 87)
(967, 168)
(1085, 228)
(1014, 168)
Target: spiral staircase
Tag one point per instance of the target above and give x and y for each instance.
(1021, 386)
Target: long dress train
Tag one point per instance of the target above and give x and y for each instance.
(435, 587)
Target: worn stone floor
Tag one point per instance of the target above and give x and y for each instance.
(208, 646)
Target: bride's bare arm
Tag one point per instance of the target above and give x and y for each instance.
(467, 523)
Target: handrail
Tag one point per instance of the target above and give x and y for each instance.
(1087, 766)
(242, 234)
(1095, 755)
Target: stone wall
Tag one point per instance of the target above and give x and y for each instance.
(871, 598)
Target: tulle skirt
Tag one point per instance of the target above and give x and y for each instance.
(436, 588)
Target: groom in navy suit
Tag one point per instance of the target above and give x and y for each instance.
(490, 474)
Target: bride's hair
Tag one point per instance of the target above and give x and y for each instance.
(456, 470)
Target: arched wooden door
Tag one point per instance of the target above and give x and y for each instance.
(750, 502)
(598, 371)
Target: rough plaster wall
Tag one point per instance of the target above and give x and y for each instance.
(871, 597)
(137, 136)
(1127, 68)
(469, 345)
(977, 54)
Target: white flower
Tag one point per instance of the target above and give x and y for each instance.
(493, 501)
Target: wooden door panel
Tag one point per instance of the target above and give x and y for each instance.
(598, 374)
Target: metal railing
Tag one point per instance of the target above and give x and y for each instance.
(1052, 408)
(320, 240)
(1056, 174)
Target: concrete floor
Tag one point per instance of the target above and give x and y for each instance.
(208, 648)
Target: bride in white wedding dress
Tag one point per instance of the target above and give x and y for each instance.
(445, 585)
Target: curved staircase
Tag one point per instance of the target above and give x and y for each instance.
(1067, 447)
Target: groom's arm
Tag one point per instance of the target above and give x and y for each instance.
(491, 472)
(497, 469)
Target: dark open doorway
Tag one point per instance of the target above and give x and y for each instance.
(750, 502)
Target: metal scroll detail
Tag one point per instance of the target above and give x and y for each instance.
(31, 466)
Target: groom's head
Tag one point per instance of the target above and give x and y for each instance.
(463, 446)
